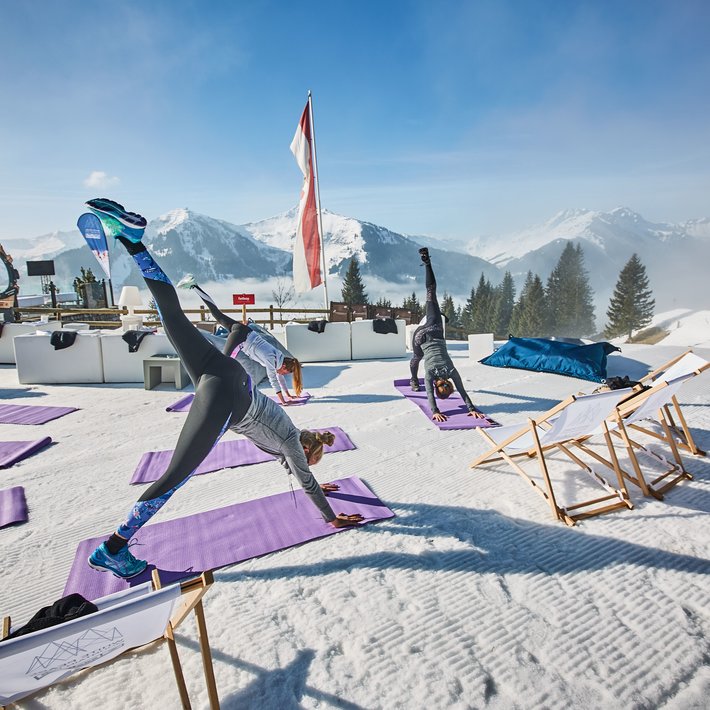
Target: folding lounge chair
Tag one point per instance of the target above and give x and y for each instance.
(136, 617)
(572, 420)
(652, 404)
(686, 364)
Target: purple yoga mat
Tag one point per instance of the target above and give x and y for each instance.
(226, 454)
(188, 546)
(13, 451)
(29, 414)
(453, 407)
(183, 404)
(13, 506)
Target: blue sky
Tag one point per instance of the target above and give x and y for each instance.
(446, 118)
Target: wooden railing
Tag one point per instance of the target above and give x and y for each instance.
(269, 317)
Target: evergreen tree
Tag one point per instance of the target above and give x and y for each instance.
(505, 301)
(482, 319)
(449, 310)
(569, 295)
(414, 306)
(467, 312)
(631, 306)
(353, 291)
(384, 303)
(528, 317)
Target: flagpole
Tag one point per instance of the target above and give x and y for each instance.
(318, 210)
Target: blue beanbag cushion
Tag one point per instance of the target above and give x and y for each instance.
(588, 362)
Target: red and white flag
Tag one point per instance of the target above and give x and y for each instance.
(307, 247)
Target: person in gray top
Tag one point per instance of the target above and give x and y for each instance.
(224, 399)
(428, 343)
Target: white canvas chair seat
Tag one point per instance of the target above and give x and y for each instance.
(652, 405)
(686, 364)
(140, 615)
(562, 427)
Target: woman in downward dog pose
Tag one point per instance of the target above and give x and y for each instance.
(428, 343)
(241, 337)
(224, 399)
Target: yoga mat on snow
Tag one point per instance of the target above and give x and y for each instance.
(13, 506)
(453, 407)
(30, 414)
(226, 454)
(188, 546)
(13, 451)
(183, 404)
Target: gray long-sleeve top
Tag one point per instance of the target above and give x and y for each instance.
(438, 365)
(270, 428)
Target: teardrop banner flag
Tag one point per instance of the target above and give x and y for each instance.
(90, 227)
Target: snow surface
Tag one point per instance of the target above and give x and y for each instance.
(471, 597)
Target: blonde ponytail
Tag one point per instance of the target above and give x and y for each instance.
(294, 367)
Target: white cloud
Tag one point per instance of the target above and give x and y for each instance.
(98, 178)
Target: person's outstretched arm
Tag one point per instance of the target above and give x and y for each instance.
(458, 383)
(295, 462)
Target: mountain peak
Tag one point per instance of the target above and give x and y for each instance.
(172, 219)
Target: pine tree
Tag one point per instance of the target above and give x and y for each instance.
(467, 312)
(383, 302)
(528, 318)
(505, 301)
(353, 291)
(449, 310)
(413, 305)
(569, 296)
(631, 306)
(482, 307)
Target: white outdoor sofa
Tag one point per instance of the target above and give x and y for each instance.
(11, 330)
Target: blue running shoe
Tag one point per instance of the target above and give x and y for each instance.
(116, 220)
(123, 564)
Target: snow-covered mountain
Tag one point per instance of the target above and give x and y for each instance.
(675, 255)
(382, 254)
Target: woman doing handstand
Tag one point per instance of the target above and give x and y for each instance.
(428, 342)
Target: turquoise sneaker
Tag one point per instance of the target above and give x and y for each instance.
(187, 281)
(117, 220)
(123, 564)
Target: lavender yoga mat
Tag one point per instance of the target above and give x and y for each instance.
(226, 454)
(13, 451)
(13, 506)
(188, 546)
(453, 407)
(183, 404)
(29, 414)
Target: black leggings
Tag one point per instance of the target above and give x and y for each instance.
(222, 393)
(432, 327)
(238, 332)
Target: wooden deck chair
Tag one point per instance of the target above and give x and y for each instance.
(574, 419)
(141, 616)
(685, 364)
(649, 405)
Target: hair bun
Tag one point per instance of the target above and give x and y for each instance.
(325, 437)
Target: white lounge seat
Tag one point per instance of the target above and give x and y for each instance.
(307, 346)
(369, 345)
(39, 363)
(121, 365)
(12, 330)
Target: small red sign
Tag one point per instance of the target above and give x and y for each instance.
(243, 299)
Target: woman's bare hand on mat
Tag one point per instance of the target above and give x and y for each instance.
(438, 417)
(345, 521)
(478, 415)
(330, 487)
